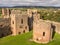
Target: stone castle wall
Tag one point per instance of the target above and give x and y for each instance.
(56, 25)
(4, 27)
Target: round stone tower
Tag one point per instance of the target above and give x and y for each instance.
(42, 32)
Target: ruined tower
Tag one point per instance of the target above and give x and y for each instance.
(42, 31)
(32, 14)
(30, 19)
(5, 12)
(4, 27)
(36, 15)
(19, 22)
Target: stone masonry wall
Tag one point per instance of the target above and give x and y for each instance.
(19, 22)
(42, 32)
(5, 27)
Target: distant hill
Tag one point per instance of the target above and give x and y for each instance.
(29, 7)
(36, 6)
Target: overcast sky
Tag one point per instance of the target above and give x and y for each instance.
(30, 2)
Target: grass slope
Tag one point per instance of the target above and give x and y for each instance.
(23, 39)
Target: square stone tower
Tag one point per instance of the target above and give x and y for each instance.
(19, 22)
(5, 12)
(42, 32)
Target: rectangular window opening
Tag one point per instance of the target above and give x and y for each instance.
(21, 21)
(13, 22)
(43, 33)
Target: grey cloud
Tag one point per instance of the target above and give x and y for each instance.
(30, 2)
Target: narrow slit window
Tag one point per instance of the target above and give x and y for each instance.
(26, 27)
(43, 33)
(21, 21)
(13, 22)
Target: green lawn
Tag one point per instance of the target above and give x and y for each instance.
(24, 39)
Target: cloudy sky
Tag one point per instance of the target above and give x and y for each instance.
(30, 2)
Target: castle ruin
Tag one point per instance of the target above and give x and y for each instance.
(20, 22)
(42, 32)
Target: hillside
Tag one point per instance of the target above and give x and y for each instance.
(24, 39)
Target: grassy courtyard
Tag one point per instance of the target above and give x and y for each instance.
(24, 39)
